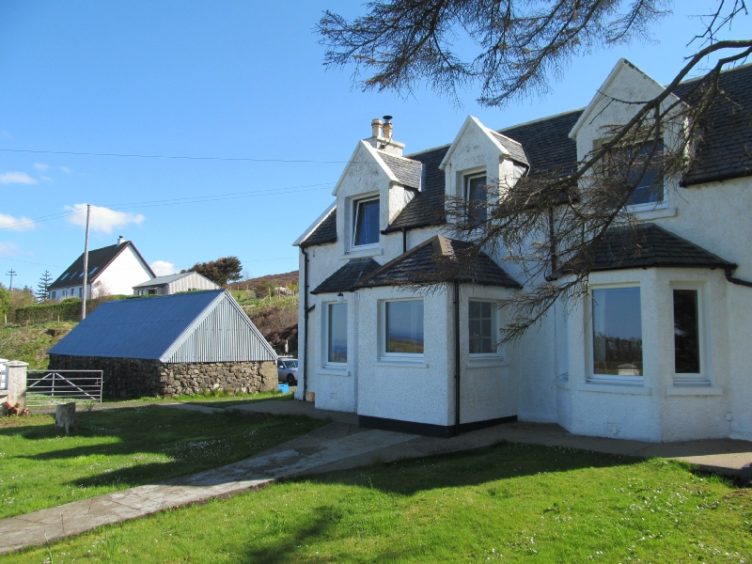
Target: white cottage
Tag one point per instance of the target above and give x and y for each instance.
(655, 352)
(113, 270)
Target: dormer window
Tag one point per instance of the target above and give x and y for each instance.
(366, 222)
(475, 198)
(641, 165)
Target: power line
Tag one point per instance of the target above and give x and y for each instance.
(171, 157)
(197, 199)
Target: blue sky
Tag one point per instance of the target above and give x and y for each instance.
(241, 81)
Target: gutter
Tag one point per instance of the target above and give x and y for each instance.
(457, 363)
(734, 280)
(306, 311)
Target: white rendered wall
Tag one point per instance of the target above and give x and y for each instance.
(658, 408)
(419, 391)
(119, 277)
(488, 383)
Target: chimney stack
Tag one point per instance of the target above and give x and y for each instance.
(381, 136)
(120, 240)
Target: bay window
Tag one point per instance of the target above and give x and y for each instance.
(617, 333)
(336, 333)
(403, 327)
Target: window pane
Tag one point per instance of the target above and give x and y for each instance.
(366, 222)
(337, 347)
(475, 194)
(646, 176)
(404, 326)
(686, 332)
(617, 332)
(481, 327)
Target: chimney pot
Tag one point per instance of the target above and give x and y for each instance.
(388, 128)
(376, 128)
(120, 240)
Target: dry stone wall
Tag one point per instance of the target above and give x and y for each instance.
(129, 377)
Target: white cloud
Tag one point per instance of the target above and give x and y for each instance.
(65, 169)
(41, 166)
(16, 177)
(8, 249)
(102, 219)
(15, 223)
(163, 267)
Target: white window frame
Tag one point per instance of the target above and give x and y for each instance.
(647, 206)
(593, 377)
(355, 207)
(495, 325)
(383, 338)
(466, 177)
(700, 378)
(326, 363)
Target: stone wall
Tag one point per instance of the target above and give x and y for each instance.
(128, 377)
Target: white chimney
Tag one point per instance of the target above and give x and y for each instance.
(120, 240)
(381, 136)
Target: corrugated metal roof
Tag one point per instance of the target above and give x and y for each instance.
(163, 279)
(155, 328)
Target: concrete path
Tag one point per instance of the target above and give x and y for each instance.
(339, 445)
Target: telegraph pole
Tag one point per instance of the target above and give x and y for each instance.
(84, 290)
(11, 273)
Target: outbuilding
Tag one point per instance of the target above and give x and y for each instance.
(165, 345)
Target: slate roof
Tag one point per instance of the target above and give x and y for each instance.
(325, 232)
(725, 151)
(644, 245)
(98, 261)
(148, 328)
(407, 171)
(725, 148)
(347, 277)
(514, 148)
(427, 207)
(440, 259)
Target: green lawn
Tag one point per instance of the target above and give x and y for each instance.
(120, 448)
(507, 503)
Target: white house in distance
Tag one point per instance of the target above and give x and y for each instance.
(113, 270)
(657, 351)
(174, 283)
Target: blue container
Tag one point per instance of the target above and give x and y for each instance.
(284, 388)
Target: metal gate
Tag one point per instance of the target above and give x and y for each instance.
(44, 387)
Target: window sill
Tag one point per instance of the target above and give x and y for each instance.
(401, 363)
(699, 389)
(485, 361)
(624, 388)
(333, 371)
(369, 251)
(651, 212)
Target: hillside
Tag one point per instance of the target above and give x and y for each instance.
(29, 343)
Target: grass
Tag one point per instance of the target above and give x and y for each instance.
(30, 343)
(509, 503)
(121, 448)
